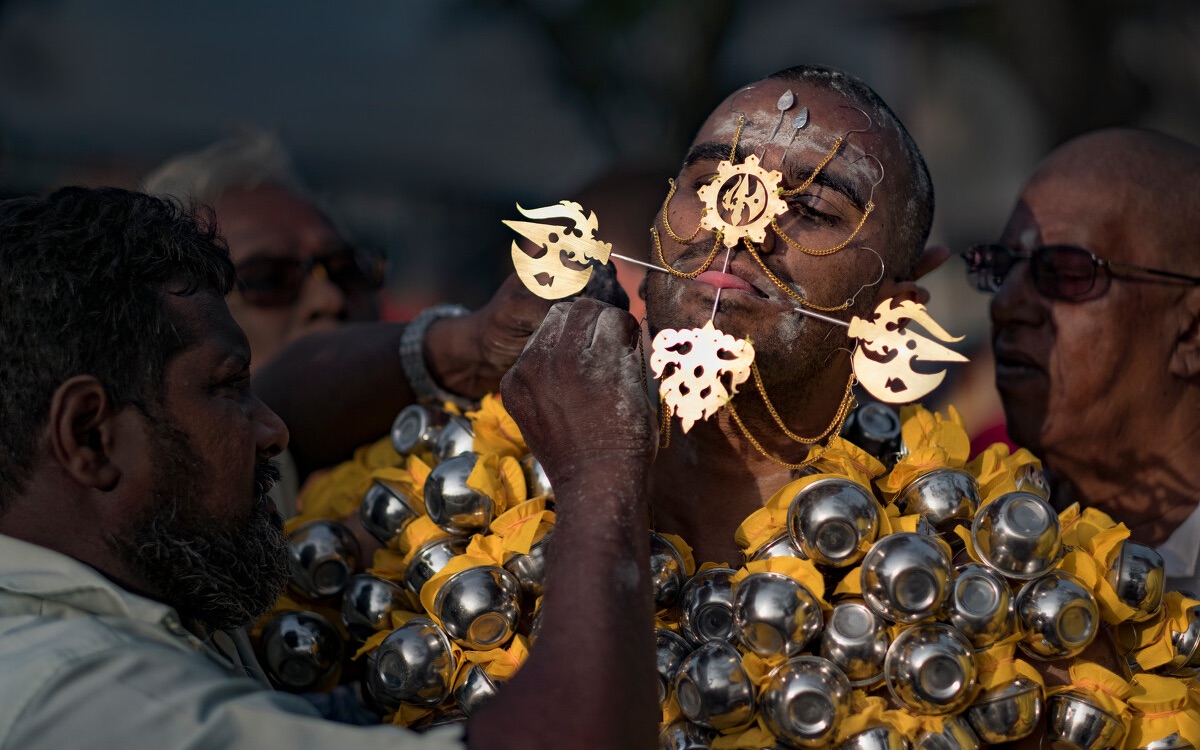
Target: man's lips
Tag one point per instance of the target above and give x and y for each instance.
(728, 281)
(1013, 362)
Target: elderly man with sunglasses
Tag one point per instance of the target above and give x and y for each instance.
(1096, 331)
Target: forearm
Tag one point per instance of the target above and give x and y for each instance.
(589, 680)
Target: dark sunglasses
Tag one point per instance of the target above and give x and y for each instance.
(1061, 272)
(265, 281)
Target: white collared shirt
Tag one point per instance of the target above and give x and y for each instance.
(84, 663)
(1181, 556)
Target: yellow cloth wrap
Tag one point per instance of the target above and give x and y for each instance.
(1091, 572)
(934, 442)
(671, 712)
(998, 665)
(1106, 689)
(710, 566)
(685, 552)
(992, 473)
(339, 492)
(500, 478)
(803, 572)
(495, 431)
(396, 618)
(391, 561)
(499, 663)
(1154, 647)
(1091, 529)
(520, 527)
(1160, 707)
(475, 556)
(850, 587)
(843, 458)
(869, 711)
(757, 737)
(760, 527)
(408, 714)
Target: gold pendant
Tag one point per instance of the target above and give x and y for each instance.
(694, 366)
(547, 275)
(883, 360)
(741, 201)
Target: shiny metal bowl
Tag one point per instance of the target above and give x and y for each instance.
(981, 605)
(856, 640)
(706, 606)
(537, 483)
(301, 650)
(1058, 615)
(454, 439)
(874, 427)
(880, 737)
(386, 510)
(713, 688)
(666, 571)
(672, 649)
(417, 426)
(804, 701)
(367, 602)
(479, 607)
(1074, 722)
(906, 577)
(774, 614)
(930, 668)
(942, 496)
(778, 546)
(451, 504)
(956, 734)
(1007, 713)
(1018, 535)
(530, 569)
(684, 735)
(476, 690)
(1137, 574)
(324, 555)
(830, 519)
(414, 664)
(1171, 742)
(429, 560)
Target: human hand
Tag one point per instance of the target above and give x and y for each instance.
(578, 394)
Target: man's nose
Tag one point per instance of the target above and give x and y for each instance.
(319, 295)
(1017, 301)
(270, 433)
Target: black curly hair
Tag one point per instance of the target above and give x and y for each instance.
(83, 278)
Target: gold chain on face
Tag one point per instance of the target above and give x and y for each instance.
(824, 162)
(838, 418)
(835, 427)
(675, 271)
(828, 251)
(787, 289)
(666, 218)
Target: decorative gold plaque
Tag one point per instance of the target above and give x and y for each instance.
(547, 275)
(887, 349)
(692, 365)
(741, 201)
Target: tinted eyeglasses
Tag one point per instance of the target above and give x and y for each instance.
(266, 281)
(1061, 272)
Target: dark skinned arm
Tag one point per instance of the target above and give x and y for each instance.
(339, 389)
(578, 397)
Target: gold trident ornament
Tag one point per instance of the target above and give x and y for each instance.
(883, 361)
(547, 275)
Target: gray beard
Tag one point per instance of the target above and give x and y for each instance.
(221, 573)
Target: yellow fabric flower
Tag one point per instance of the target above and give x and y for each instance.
(933, 441)
(803, 572)
(523, 525)
(499, 663)
(1160, 707)
(495, 431)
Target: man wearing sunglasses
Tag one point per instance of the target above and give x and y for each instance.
(1096, 331)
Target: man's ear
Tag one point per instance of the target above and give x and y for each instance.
(82, 431)
(930, 260)
(1185, 359)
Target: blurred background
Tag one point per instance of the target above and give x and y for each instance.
(421, 123)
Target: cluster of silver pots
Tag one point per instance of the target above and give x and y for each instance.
(940, 614)
(479, 608)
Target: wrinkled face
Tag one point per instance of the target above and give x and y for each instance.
(208, 540)
(1077, 378)
(268, 223)
(822, 216)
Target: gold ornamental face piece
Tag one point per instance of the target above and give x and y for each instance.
(568, 249)
(888, 347)
(694, 366)
(741, 201)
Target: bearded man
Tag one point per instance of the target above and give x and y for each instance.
(136, 535)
